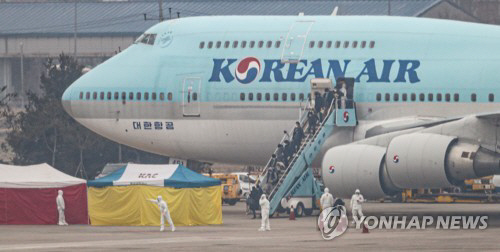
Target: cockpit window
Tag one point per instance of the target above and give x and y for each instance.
(146, 38)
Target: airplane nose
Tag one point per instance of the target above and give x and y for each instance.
(66, 101)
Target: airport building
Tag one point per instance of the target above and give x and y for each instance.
(32, 31)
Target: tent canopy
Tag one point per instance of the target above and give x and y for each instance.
(35, 176)
(169, 175)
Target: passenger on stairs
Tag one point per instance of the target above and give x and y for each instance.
(288, 152)
(280, 153)
(298, 135)
(312, 120)
(318, 104)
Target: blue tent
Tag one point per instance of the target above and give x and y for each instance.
(169, 175)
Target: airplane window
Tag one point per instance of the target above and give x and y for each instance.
(145, 38)
(320, 44)
(269, 44)
(404, 97)
(387, 97)
(292, 96)
(242, 96)
(243, 44)
(252, 44)
(421, 97)
(138, 96)
(277, 44)
(439, 97)
(218, 44)
(261, 44)
(413, 96)
(109, 95)
(226, 44)
(153, 96)
(354, 44)
(101, 96)
(491, 97)
(250, 96)
(456, 97)
(346, 44)
(169, 96)
(152, 38)
(379, 97)
(139, 39)
(162, 96)
(195, 96)
(146, 96)
(268, 97)
(372, 44)
(447, 97)
(87, 95)
(363, 44)
(131, 95)
(329, 44)
(117, 95)
(473, 97)
(276, 96)
(396, 97)
(301, 96)
(235, 44)
(210, 45)
(337, 44)
(259, 97)
(283, 96)
(430, 97)
(94, 96)
(202, 44)
(81, 95)
(124, 95)
(311, 44)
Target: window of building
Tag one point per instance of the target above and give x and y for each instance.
(138, 96)
(243, 44)
(439, 97)
(131, 95)
(311, 44)
(320, 44)
(269, 44)
(404, 97)
(101, 96)
(413, 96)
(195, 96)
(162, 96)
(109, 95)
(268, 96)
(226, 44)
(169, 96)
(81, 95)
(277, 44)
(283, 96)
(421, 97)
(354, 44)
(301, 96)
(456, 97)
(329, 44)
(430, 97)
(252, 44)
(473, 97)
(337, 44)
(276, 96)
(259, 97)
(372, 44)
(395, 97)
(117, 96)
(363, 44)
(250, 96)
(146, 96)
(210, 45)
(153, 96)
(124, 95)
(491, 97)
(242, 96)
(379, 97)
(447, 97)
(218, 44)
(346, 44)
(235, 44)
(261, 44)
(202, 44)
(292, 96)
(87, 96)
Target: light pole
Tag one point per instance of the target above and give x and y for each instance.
(21, 47)
(75, 31)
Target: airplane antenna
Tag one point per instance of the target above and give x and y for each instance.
(335, 10)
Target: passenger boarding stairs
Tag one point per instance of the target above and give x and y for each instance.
(309, 149)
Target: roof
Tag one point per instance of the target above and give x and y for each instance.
(169, 175)
(35, 176)
(126, 17)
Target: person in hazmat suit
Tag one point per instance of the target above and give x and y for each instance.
(264, 211)
(165, 214)
(356, 201)
(60, 208)
(326, 199)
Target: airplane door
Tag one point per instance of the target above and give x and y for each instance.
(295, 41)
(191, 90)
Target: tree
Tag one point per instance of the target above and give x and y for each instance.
(44, 132)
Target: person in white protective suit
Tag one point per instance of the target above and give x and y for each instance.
(356, 201)
(326, 199)
(165, 214)
(264, 211)
(60, 208)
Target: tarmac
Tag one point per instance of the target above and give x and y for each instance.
(239, 233)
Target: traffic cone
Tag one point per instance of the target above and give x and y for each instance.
(292, 213)
(365, 229)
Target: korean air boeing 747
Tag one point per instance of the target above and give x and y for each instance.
(223, 89)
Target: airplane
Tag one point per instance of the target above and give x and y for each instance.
(223, 89)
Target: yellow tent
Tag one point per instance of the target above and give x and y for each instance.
(122, 198)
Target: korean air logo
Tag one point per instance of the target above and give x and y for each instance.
(332, 169)
(346, 116)
(395, 159)
(247, 70)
